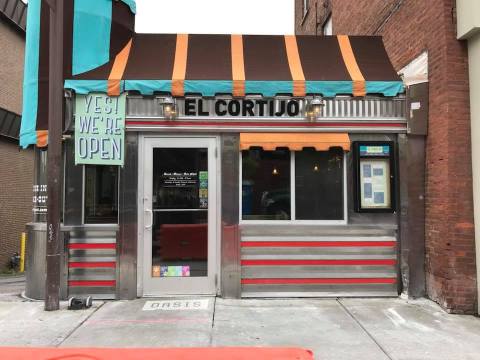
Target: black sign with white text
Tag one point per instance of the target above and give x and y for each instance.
(198, 107)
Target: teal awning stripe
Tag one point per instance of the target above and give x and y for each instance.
(92, 22)
(387, 88)
(28, 134)
(132, 4)
(329, 88)
(213, 87)
(268, 88)
(208, 87)
(87, 86)
(148, 87)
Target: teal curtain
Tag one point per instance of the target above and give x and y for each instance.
(28, 134)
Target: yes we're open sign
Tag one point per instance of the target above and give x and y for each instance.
(100, 129)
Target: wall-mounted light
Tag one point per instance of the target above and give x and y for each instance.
(169, 109)
(314, 109)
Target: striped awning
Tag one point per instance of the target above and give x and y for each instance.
(245, 64)
(102, 53)
(295, 142)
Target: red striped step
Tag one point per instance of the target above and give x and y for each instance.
(92, 246)
(373, 262)
(327, 281)
(318, 243)
(106, 264)
(83, 283)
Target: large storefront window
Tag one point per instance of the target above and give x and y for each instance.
(265, 185)
(101, 194)
(317, 192)
(319, 185)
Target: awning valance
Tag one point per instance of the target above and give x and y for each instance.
(296, 142)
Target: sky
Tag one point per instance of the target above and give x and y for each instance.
(215, 16)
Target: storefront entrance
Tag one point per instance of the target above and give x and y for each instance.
(179, 215)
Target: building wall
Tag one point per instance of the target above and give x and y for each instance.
(410, 27)
(15, 197)
(468, 28)
(12, 45)
(16, 167)
(474, 70)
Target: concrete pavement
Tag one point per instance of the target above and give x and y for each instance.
(334, 329)
(11, 287)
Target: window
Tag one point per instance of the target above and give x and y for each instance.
(101, 194)
(266, 185)
(327, 28)
(319, 185)
(305, 185)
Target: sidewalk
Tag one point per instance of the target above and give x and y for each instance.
(11, 286)
(334, 329)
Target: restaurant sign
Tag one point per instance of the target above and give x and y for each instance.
(196, 107)
(100, 129)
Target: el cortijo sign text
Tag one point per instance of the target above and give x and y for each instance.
(198, 107)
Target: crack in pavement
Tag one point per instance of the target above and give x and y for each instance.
(78, 325)
(364, 329)
(210, 342)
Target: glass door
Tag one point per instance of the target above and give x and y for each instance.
(179, 216)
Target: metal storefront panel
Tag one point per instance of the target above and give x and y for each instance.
(319, 262)
(92, 261)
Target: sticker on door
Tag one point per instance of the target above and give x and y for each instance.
(183, 304)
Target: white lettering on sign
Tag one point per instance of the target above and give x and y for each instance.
(374, 149)
(173, 305)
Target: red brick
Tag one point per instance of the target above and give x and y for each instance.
(408, 28)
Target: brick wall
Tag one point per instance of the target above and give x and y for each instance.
(12, 45)
(16, 167)
(410, 27)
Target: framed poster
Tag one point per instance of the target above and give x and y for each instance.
(374, 175)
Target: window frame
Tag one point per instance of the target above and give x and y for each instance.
(293, 220)
(392, 209)
(83, 199)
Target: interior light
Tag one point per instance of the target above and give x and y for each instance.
(275, 171)
(315, 168)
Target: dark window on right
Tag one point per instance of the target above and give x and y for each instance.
(319, 185)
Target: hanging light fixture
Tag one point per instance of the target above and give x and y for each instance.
(169, 109)
(314, 109)
(275, 171)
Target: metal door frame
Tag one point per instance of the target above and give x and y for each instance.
(214, 214)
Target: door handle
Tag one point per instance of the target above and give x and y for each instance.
(149, 226)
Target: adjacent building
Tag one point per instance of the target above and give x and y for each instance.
(16, 167)
(421, 41)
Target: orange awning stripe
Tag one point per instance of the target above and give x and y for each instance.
(42, 138)
(118, 69)
(359, 88)
(180, 65)
(297, 141)
(295, 65)
(238, 66)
